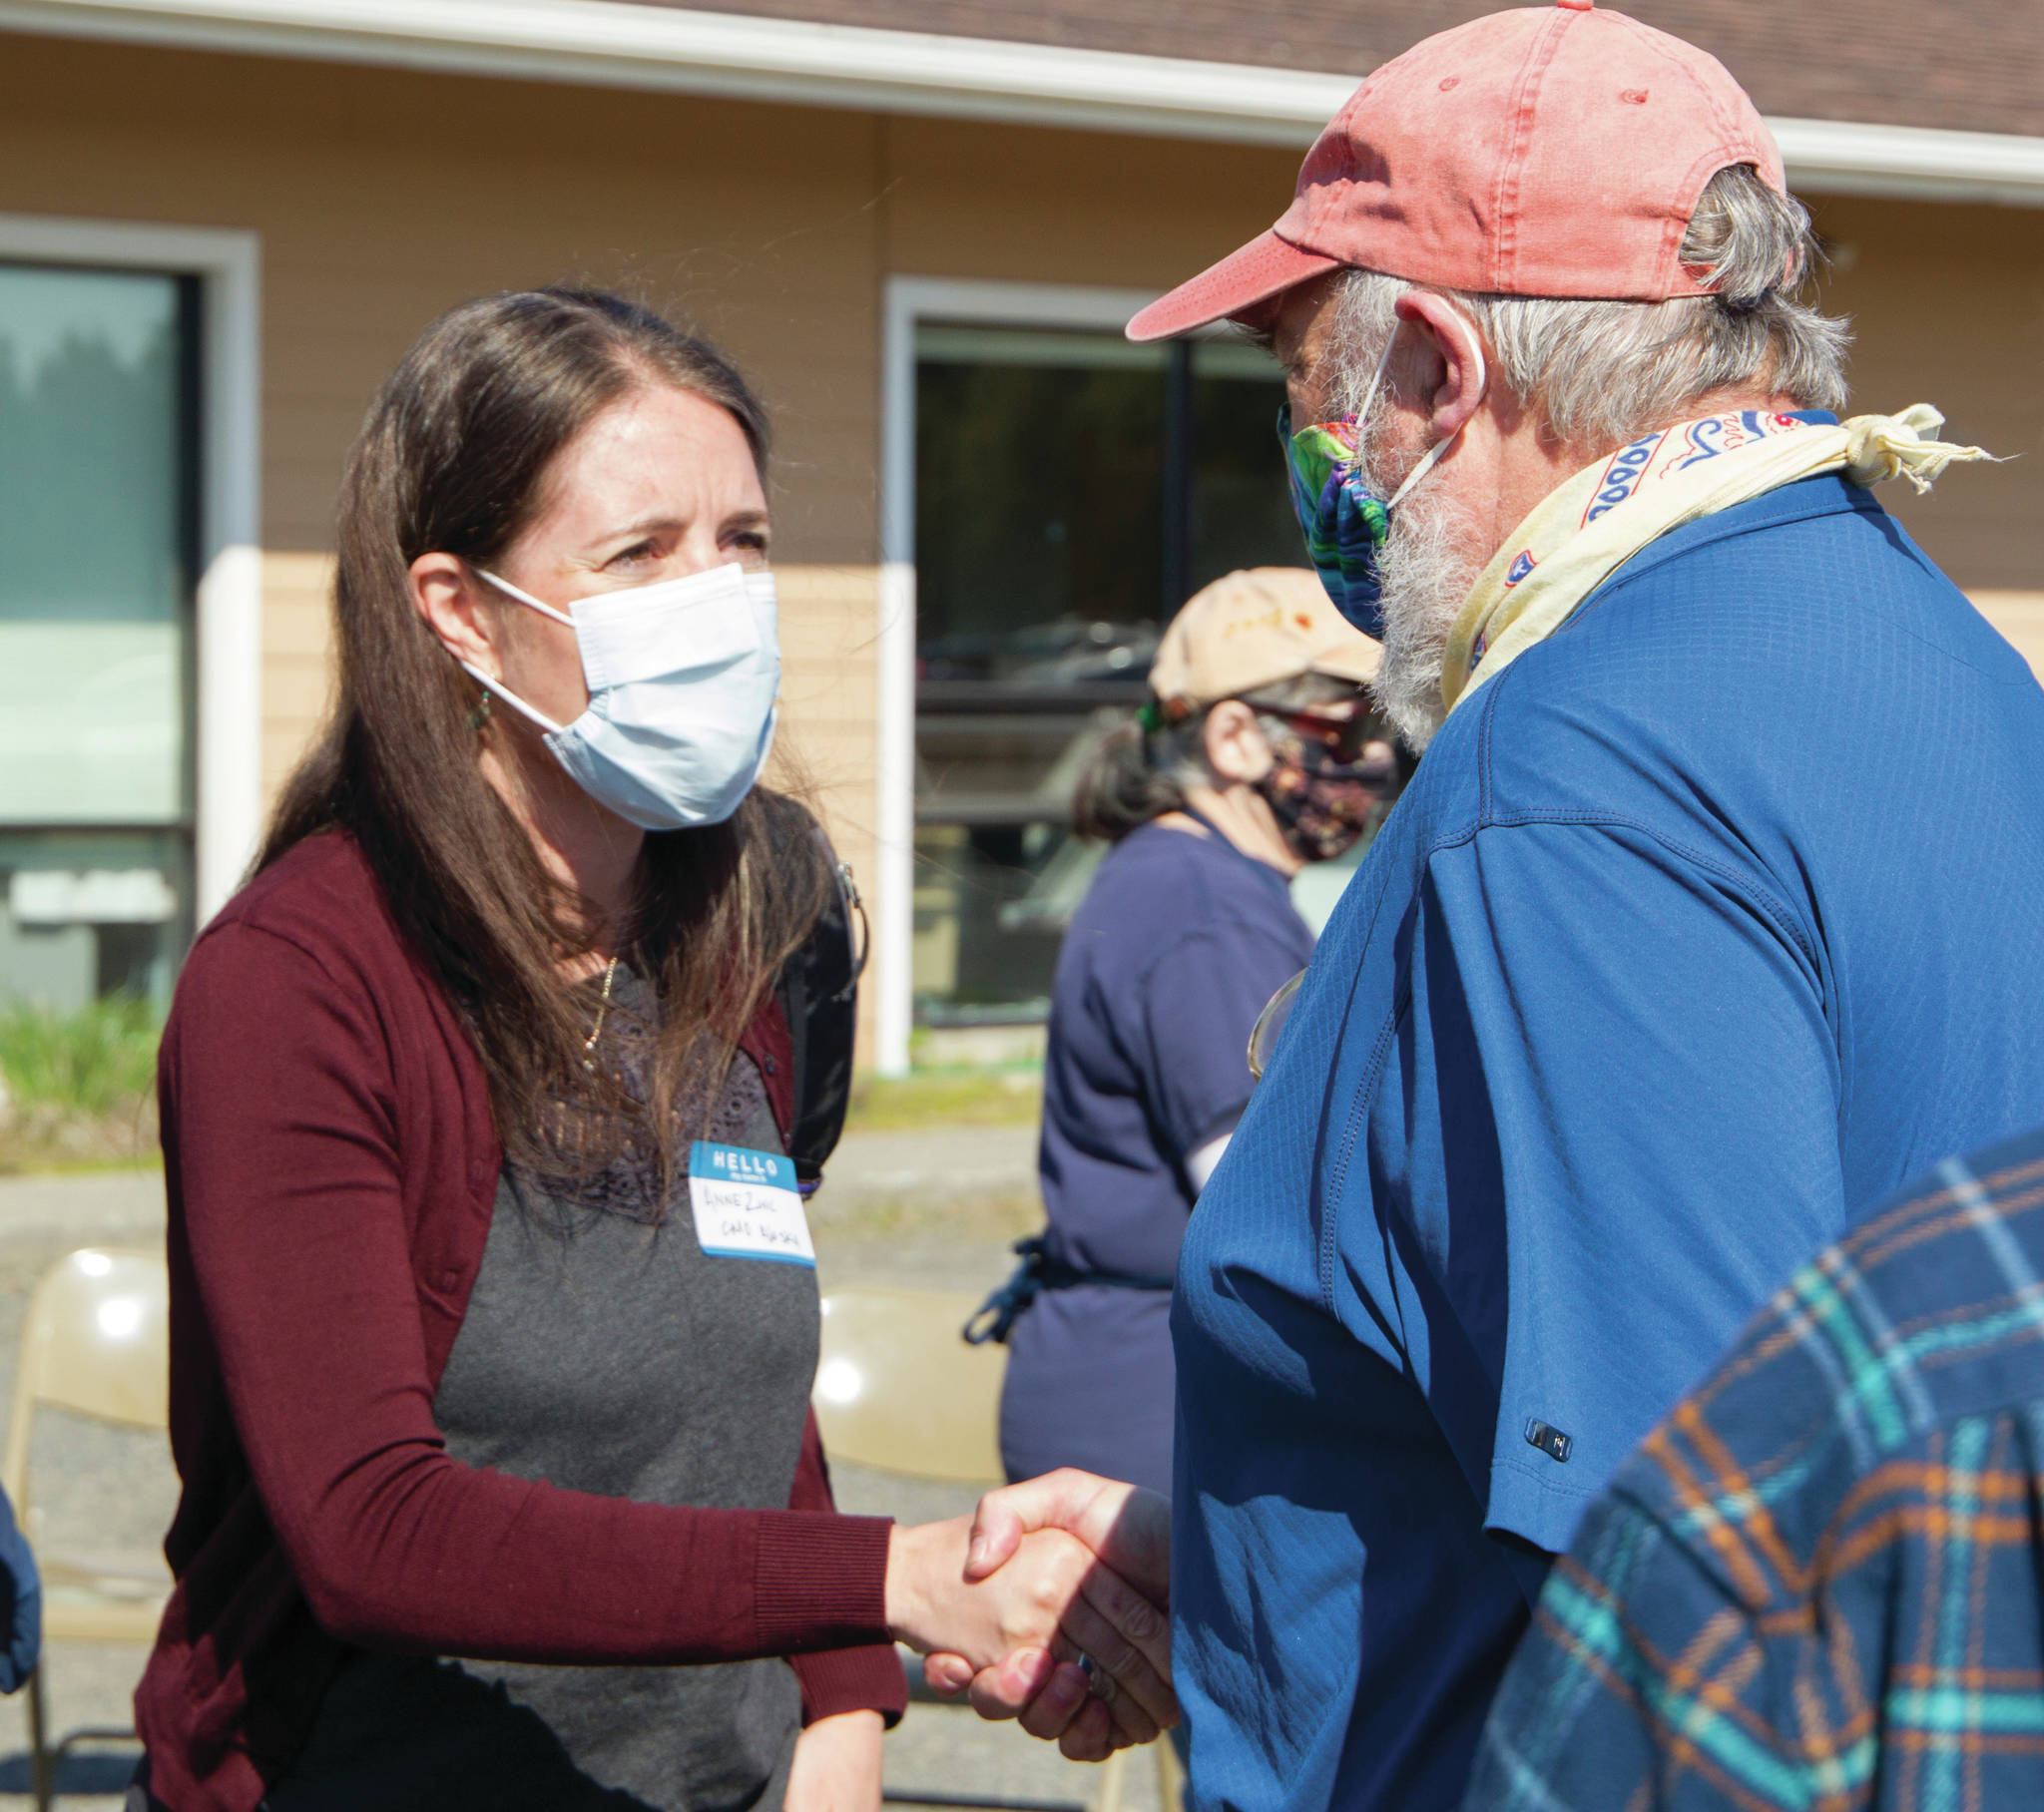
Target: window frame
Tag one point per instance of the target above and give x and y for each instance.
(908, 301)
(227, 706)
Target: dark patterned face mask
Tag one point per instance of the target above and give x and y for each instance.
(1331, 770)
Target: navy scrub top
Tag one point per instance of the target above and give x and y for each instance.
(1173, 954)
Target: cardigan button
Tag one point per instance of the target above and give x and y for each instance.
(450, 1281)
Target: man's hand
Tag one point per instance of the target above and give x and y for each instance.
(1127, 1527)
(1122, 1614)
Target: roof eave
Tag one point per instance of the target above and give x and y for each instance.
(608, 44)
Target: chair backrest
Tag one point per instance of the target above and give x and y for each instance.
(96, 1343)
(899, 1391)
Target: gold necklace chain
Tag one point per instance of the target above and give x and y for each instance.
(603, 1006)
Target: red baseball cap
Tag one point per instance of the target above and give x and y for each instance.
(1548, 151)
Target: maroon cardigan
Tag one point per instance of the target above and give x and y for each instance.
(331, 1167)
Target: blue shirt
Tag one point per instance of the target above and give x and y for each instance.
(1716, 913)
(1175, 951)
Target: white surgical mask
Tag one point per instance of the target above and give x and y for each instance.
(683, 678)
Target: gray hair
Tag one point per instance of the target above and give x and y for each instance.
(1605, 372)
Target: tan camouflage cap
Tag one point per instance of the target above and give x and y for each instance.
(1254, 629)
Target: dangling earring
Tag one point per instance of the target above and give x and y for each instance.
(479, 712)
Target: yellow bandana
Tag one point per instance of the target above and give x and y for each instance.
(1595, 521)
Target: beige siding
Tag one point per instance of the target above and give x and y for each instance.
(825, 749)
(2019, 616)
(385, 196)
(296, 653)
(1947, 306)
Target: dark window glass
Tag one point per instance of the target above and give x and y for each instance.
(1071, 491)
(1039, 500)
(1240, 510)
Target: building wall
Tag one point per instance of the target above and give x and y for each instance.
(1947, 306)
(385, 196)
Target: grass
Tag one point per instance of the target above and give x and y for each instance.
(946, 1097)
(79, 1087)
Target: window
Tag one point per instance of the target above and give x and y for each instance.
(98, 543)
(1071, 491)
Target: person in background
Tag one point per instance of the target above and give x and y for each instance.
(21, 1616)
(494, 1312)
(1821, 1581)
(1257, 752)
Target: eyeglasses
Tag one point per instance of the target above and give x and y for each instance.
(1263, 1035)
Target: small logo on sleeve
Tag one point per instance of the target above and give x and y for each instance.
(1550, 1441)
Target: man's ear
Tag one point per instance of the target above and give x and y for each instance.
(445, 594)
(1457, 373)
(1234, 745)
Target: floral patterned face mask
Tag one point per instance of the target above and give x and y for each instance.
(1345, 522)
(1331, 768)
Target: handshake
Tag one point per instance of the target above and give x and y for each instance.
(1049, 1605)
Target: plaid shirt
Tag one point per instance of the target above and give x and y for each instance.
(1819, 1584)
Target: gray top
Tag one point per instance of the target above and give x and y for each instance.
(609, 1355)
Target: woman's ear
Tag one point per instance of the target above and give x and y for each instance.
(1235, 747)
(447, 598)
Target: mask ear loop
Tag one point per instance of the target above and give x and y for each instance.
(1439, 450)
(497, 686)
(525, 597)
(1376, 382)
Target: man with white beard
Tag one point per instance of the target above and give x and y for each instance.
(1715, 911)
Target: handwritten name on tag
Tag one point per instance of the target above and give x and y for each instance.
(746, 1205)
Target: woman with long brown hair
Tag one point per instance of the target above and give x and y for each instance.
(494, 1314)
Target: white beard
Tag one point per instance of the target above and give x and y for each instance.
(1427, 570)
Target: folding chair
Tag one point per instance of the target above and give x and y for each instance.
(898, 1391)
(96, 1343)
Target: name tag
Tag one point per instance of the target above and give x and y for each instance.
(746, 1205)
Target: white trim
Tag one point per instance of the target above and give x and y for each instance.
(227, 721)
(1844, 156)
(910, 300)
(611, 44)
(608, 44)
(894, 759)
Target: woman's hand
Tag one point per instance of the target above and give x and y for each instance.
(838, 1765)
(1046, 1598)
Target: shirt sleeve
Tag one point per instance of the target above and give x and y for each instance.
(1642, 1681)
(867, 1678)
(1198, 1004)
(284, 1171)
(1632, 1061)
